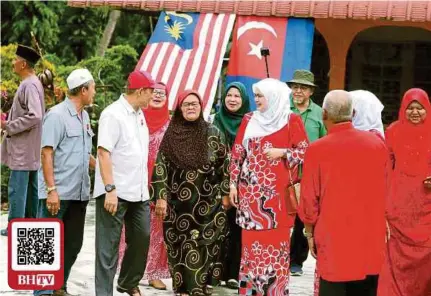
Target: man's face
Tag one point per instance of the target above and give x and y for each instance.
(88, 94)
(301, 93)
(144, 97)
(19, 64)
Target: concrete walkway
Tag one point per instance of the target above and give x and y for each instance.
(82, 277)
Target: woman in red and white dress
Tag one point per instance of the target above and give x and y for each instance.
(157, 118)
(270, 141)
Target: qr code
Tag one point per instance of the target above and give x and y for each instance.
(35, 246)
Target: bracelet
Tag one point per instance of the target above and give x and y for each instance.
(50, 189)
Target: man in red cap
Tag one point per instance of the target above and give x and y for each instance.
(20, 150)
(121, 188)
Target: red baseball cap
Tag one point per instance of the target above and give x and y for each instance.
(140, 79)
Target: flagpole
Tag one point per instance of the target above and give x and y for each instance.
(265, 52)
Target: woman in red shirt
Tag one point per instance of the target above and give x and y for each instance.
(407, 267)
(270, 142)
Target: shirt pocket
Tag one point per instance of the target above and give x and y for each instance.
(74, 141)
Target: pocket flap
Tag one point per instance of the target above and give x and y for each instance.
(74, 132)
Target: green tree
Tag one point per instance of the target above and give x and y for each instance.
(19, 18)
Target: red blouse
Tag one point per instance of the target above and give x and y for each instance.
(262, 183)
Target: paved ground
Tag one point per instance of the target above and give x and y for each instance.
(82, 278)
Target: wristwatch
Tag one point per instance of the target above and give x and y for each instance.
(50, 189)
(109, 187)
(308, 235)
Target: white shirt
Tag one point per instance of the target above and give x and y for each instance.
(124, 133)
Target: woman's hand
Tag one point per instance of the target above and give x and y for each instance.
(233, 196)
(427, 182)
(225, 201)
(161, 207)
(274, 153)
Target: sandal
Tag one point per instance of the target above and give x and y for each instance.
(208, 290)
(131, 291)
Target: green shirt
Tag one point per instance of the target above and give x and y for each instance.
(312, 119)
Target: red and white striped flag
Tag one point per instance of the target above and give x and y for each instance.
(186, 51)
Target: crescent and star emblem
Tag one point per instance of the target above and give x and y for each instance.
(176, 28)
(255, 48)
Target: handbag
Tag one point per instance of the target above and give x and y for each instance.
(293, 194)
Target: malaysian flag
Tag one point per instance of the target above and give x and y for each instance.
(186, 51)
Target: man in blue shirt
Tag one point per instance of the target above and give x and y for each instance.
(64, 180)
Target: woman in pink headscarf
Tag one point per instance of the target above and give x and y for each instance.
(157, 118)
(406, 271)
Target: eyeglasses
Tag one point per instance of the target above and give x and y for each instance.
(193, 105)
(159, 93)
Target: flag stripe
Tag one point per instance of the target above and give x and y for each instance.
(173, 54)
(212, 85)
(159, 59)
(200, 51)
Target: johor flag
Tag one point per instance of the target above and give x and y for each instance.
(186, 51)
(290, 42)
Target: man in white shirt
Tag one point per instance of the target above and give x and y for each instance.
(121, 188)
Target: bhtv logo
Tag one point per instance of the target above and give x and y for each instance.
(36, 279)
(29, 270)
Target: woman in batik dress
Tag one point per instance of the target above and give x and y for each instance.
(406, 271)
(189, 182)
(234, 105)
(157, 119)
(269, 146)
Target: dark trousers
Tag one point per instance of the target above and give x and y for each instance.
(367, 287)
(72, 213)
(23, 194)
(136, 217)
(299, 245)
(232, 248)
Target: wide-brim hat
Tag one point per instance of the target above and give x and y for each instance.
(304, 77)
(27, 53)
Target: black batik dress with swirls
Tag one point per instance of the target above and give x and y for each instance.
(195, 226)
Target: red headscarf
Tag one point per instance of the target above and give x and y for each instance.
(157, 118)
(411, 143)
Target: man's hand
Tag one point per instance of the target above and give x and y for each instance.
(161, 208)
(233, 196)
(427, 182)
(274, 153)
(225, 201)
(53, 203)
(111, 202)
(312, 247)
(3, 124)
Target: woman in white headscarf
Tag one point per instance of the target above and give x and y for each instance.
(269, 146)
(368, 112)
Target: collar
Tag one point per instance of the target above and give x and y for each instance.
(127, 105)
(71, 107)
(339, 127)
(293, 107)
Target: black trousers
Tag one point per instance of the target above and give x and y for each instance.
(298, 245)
(232, 248)
(136, 217)
(367, 287)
